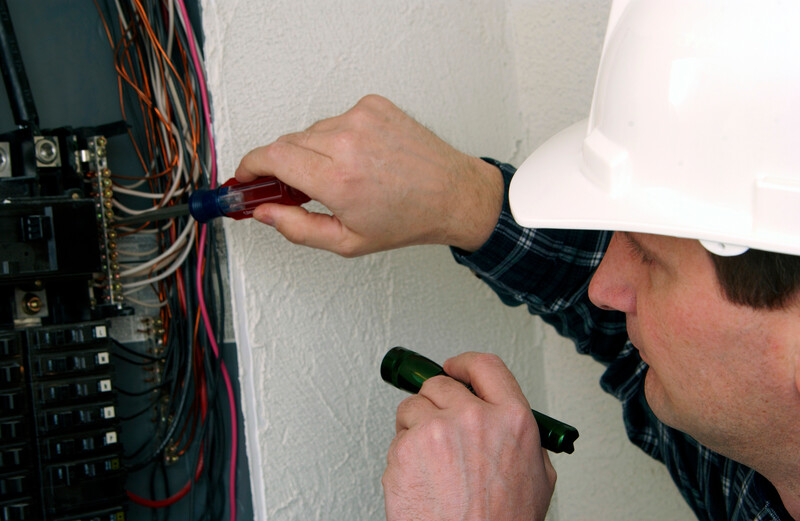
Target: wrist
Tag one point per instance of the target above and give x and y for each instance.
(479, 207)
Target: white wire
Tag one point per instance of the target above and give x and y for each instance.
(126, 253)
(147, 195)
(130, 292)
(122, 20)
(129, 211)
(166, 128)
(172, 269)
(162, 260)
(201, 62)
(194, 38)
(189, 230)
(136, 193)
(147, 231)
(178, 169)
(143, 304)
(180, 128)
(182, 116)
(170, 26)
(131, 186)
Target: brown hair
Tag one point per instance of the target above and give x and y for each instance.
(759, 279)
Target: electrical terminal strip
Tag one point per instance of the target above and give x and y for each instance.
(108, 288)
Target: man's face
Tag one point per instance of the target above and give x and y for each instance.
(717, 371)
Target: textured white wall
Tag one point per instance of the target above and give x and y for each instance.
(493, 78)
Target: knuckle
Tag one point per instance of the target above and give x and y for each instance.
(295, 137)
(434, 382)
(348, 249)
(347, 142)
(372, 101)
(437, 433)
(520, 419)
(403, 450)
(473, 416)
(488, 359)
(370, 109)
(274, 151)
(405, 405)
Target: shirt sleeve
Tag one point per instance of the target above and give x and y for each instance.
(549, 272)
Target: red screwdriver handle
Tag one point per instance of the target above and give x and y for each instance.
(238, 200)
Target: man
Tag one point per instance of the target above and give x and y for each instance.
(693, 304)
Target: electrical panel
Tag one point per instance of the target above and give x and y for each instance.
(60, 452)
(113, 398)
(60, 456)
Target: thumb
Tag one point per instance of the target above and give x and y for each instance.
(299, 226)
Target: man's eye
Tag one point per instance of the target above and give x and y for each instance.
(637, 251)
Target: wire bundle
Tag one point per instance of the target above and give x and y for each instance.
(164, 99)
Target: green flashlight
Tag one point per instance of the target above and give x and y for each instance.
(407, 370)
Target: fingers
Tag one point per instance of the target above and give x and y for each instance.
(387, 180)
(454, 454)
(294, 158)
(293, 164)
(487, 375)
(437, 393)
(306, 228)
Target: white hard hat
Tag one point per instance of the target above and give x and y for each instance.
(694, 130)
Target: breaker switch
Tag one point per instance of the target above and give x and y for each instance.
(35, 228)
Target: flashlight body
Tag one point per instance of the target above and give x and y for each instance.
(408, 370)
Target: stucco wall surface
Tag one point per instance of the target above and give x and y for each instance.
(492, 78)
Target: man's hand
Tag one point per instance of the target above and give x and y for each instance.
(457, 456)
(388, 181)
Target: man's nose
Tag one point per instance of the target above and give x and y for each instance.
(612, 286)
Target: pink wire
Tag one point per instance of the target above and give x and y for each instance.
(201, 247)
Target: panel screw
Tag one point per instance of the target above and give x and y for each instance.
(31, 304)
(46, 150)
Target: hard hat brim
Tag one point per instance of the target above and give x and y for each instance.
(549, 190)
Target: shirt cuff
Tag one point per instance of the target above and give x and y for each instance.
(503, 238)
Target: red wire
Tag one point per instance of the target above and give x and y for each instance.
(163, 503)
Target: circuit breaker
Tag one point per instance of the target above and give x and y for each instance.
(60, 456)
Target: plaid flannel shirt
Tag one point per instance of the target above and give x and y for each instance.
(549, 271)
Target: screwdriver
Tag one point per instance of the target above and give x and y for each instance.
(232, 199)
(407, 370)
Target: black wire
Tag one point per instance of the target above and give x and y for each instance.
(219, 440)
(132, 467)
(187, 374)
(153, 471)
(220, 307)
(173, 424)
(18, 89)
(132, 362)
(139, 393)
(134, 352)
(169, 380)
(149, 407)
